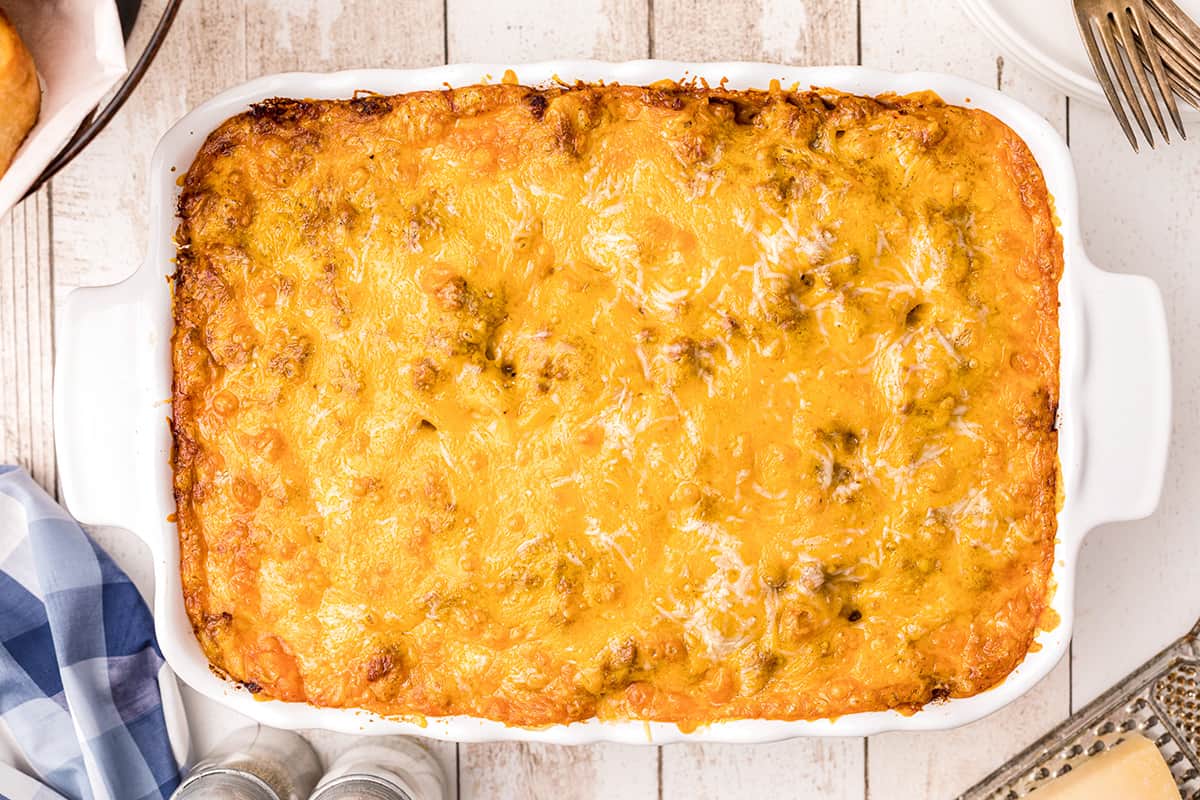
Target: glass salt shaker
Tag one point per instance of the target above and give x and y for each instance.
(383, 768)
(255, 763)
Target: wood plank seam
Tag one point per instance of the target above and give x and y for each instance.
(45, 235)
(650, 54)
(26, 328)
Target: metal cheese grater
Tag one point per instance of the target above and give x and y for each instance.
(1160, 700)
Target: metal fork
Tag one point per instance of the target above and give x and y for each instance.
(1140, 36)
(1179, 46)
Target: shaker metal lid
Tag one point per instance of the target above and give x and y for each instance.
(224, 782)
(360, 786)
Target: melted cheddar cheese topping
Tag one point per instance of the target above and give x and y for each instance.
(664, 402)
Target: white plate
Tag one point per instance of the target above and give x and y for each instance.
(1043, 36)
(113, 388)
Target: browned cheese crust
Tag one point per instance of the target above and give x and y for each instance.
(666, 403)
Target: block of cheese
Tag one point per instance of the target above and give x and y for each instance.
(1133, 770)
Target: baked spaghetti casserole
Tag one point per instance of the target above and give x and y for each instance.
(672, 403)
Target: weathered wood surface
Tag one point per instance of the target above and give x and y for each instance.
(27, 338)
(1135, 587)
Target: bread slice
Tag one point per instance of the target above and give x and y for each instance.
(20, 95)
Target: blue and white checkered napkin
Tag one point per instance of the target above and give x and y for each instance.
(78, 660)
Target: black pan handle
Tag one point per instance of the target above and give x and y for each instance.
(99, 118)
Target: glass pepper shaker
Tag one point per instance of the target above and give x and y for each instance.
(383, 768)
(255, 763)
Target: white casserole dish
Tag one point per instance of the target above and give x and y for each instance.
(113, 389)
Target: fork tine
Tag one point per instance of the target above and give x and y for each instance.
(1188, 96)
(1088, 34)
(1179, 40)
(1169, 32)
(1186, 85)
(1124, 22)
(1117, 62)
(1183, 71)
(1156, 65)
(1184, 25)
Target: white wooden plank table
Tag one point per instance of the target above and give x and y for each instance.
(1136, 587)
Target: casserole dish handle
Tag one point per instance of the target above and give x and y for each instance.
(1126, 397)
(100, 401)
